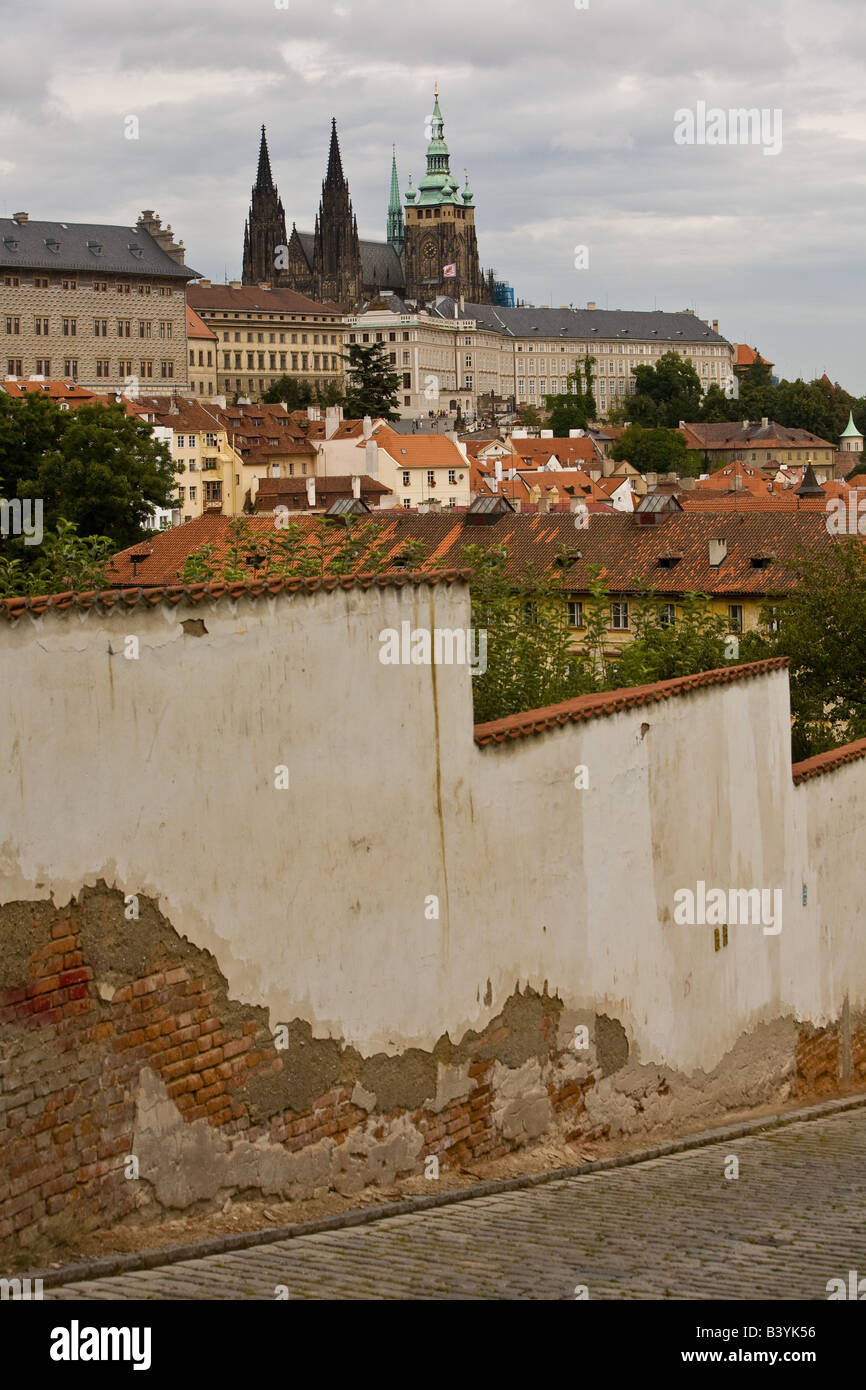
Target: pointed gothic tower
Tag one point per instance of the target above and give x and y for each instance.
(336, 248)
(441, 246)
(396, 229)
(265, 228)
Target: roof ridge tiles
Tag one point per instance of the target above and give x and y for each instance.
(828, 762)
(108, 599)
(611, 702)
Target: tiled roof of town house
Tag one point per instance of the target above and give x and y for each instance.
(732, 474)
(418, 450)
(594, 706)
(628, 554)
(829, 761)
(86, 246)
(330, 485)
(568, 482)
(124, 600)
(316, 429)
(588, 324)
(781, 500)
(745, 356)
(196, 327)
(566, 451)
(55, 390)
(737, 434)
(213, 298)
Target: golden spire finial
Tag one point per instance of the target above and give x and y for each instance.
(436, 89)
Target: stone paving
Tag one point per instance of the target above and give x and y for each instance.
(672, 1227)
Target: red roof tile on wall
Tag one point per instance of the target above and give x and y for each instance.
(829, 761)
(538, 721)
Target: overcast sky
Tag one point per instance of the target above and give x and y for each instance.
(565, 118)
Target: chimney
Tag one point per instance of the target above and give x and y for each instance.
(543, 505)
(715, 325)
(20, 218)
(314, 412)
(591, 304)
(497, 470)
(371, 467)
(333, 416)
(356, 486)
(682, 424)
(595, 474)
(765, 420)
(367, 427)
(608, 467)
(651, 479)
(235, 285)
(687, 484)
(311, 493)
(718, 549)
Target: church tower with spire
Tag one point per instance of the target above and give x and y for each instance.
(265, 228)
(396, 228)
(336, 247)
(441, 252)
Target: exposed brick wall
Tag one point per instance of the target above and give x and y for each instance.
(101, 998)
(819, 1061)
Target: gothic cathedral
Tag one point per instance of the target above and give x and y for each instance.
(430, 250)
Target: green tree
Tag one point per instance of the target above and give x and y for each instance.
(666, 392)
(821, 627)
(371, 382)
(530, 660)
(295, 392)
(656, 451)
(64, 561)
(95, 466)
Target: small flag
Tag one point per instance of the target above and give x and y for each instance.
(450, 271)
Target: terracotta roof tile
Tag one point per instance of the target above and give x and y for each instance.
(828, 762)
(593, 706)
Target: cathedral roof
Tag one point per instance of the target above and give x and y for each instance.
(380, 264)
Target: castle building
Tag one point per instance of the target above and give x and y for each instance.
(430, 248)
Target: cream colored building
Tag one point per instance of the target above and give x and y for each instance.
(265, 333)
(203, 346)
(419, 469)
(442, 363)
(527, 353)
(104, 306)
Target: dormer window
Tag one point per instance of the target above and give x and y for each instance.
(52, 244)
(95, 247)
(135, 250)
(10, 243)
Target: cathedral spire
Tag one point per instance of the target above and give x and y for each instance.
(264, 181)
(334, 177)
(396, 233)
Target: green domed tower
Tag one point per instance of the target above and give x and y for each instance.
(441, 245)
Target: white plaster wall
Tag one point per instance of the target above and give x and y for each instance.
(157, 775)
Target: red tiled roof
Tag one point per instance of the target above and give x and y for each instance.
(538, 721)
(106, 599)
(55, 390)
(419, 450)
(627, 554)
(251, 297)
(196, 327)
(746, 355)
(828, 762)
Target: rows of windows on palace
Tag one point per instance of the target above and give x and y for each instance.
(67, 326)
(147, 368)
(66, 282)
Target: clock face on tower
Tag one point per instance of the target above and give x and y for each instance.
(429, 250)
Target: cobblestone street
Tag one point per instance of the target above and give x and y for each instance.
(673, 1227)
